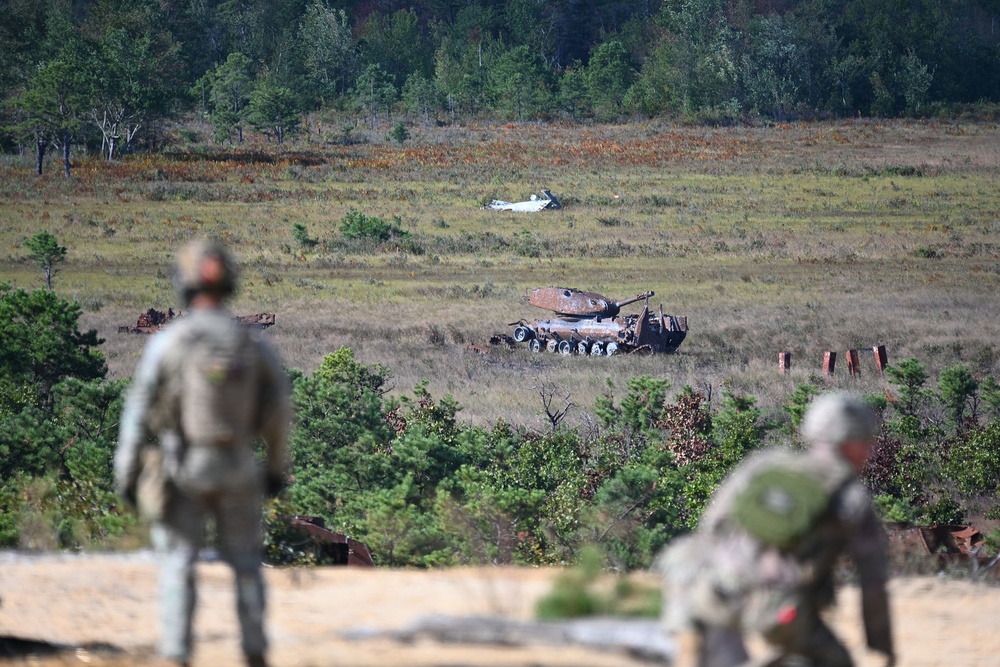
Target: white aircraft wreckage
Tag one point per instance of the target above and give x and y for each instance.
(533, 205)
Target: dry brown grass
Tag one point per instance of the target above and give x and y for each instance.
(804, 238)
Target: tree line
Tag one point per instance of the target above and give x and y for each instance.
(106, 73)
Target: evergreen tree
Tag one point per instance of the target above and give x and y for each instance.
(909, 376)
(329, 56)
(230, 86)
(657, 87)
(609, 76)
(396, 44)
(957, 391)
(42, 344)
(46, 252)
(54, 103)
(421, 96)
(375, 92)
(519, 84)
(775, 68)
(704, 41)
(273, 110)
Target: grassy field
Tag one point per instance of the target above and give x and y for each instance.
(800, 238)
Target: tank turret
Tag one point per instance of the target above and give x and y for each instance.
(576, 303)
(589, 323)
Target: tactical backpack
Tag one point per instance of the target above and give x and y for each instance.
(782, 503)
(218, 385)
(211, 396)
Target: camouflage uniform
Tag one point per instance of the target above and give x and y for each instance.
(205, 437)
(722, 582)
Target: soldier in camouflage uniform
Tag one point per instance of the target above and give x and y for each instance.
(729, 578)
(204, 389)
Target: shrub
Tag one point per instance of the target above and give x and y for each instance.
(357, 225)
(945, 511)
(581, 592)
(527, 244)
(895, 510)
(909, 376)
(44, 513)
(301, 236)
(399, 133)
(926, 253)
(974, 464)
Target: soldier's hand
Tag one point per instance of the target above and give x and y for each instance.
(274, 484)
(890, 660)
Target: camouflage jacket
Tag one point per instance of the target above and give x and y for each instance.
(171, 398)
(723, 575)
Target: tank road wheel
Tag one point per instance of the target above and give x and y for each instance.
(597, 349)
(612, 349)
(552, 345)
(535, 345)
(582, 348)
(565, 347)
(522, 334)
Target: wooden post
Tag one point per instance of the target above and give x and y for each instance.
(853, 368)
(829, 362)
(880, 357)
(784, 361)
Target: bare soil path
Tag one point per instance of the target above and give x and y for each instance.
(111, 600)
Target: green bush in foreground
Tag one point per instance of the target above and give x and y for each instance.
(581, 591)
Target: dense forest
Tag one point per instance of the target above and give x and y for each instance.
(106, 73)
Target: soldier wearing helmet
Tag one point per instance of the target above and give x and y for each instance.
(762, 558)
(205, 387)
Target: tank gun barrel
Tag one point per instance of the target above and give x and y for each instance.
(638, 297)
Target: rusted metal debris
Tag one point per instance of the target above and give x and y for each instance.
(533, 205)
(150, 321)
(503, 339)
(948, 545)
(153, 320)
(945, 539)
(335, 548)
(590, 324)
(256, 321)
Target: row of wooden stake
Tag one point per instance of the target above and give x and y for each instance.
(830, 361)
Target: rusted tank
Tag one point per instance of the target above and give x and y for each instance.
(591, 324)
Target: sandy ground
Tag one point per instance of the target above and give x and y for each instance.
(110, 600)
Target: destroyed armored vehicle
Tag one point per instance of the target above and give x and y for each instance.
(590, 324)
(153, 320)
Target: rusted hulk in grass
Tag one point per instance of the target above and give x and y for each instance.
(588, 323)
(153, 320)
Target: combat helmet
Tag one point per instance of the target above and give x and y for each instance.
(204, 267)
(838, 417)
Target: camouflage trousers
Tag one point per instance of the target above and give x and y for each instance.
(178, 538)
(804, 642)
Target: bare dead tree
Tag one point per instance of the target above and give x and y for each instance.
(548, 394)
(977, 568)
